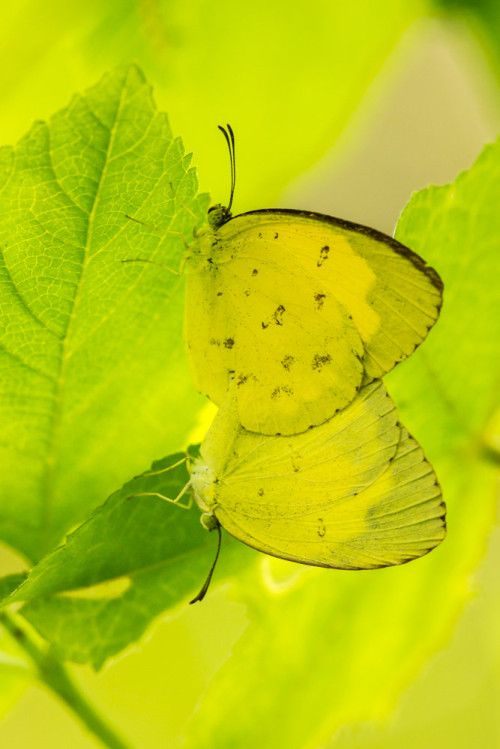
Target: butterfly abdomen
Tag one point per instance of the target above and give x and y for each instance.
(203, 482)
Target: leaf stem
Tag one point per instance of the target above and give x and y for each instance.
(53, 674)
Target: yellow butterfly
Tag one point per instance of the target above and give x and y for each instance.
(301, 309)
(354, 493)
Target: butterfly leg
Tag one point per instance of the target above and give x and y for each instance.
(163, 470)
(175, 501)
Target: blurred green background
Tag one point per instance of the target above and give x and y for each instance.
(345, 108)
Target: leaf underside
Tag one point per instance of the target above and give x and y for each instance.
(93, 380)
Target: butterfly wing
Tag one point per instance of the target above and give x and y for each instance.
(209, 331)
(306, 298)
(393, 296)
(295, 354)
(296, 360)
(353, 493)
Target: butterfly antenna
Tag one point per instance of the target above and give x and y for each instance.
(201, 595)
(229, 136)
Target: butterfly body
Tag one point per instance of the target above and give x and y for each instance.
(203, 248)
(302, 309)
(203, 482)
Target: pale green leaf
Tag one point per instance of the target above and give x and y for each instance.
(457, 371)
(93, 380)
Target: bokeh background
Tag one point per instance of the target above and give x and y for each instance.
(345, 108)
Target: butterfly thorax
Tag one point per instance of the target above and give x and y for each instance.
(207, 248)
(204, 483)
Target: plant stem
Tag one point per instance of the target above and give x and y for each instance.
(53, 674)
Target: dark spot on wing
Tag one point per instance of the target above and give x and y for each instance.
(255, 272)
(323, 255)
(235, 455)
(247, 292)
(261, 492)
(321, 528)
(229, 342)
(276, 235)
(287, 362)
(260, 235)
(278, 315)
(276, 318)
(319, 361)
(279, 390)
(319, 299)
(219, 293)
(241, 379)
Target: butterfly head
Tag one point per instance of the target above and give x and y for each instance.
(218, 214)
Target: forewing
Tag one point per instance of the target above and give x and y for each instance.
(394, 518)
(297, 353)
(252, 311)
(392, 295)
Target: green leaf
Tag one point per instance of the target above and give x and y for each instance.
(93, 379)
(327, 648)
(135, 558)
(9, 583)
(457, 372)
